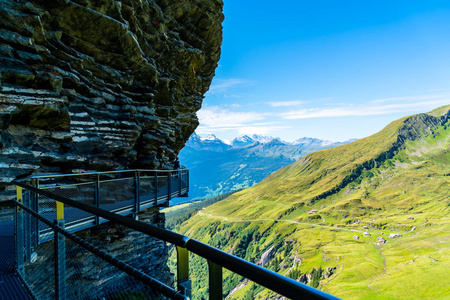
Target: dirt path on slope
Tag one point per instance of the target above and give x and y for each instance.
(382, 273)
(272, 220)
(335, 275)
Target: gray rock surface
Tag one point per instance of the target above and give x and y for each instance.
(102, 84)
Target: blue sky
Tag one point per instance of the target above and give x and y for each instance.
(330, 69)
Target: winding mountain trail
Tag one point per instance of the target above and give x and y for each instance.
(382, 273)
(276, 220)
(335, 275)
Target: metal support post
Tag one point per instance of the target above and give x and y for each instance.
(184, 283)
(35, 207)
(19, 233)
(137, 196)
(169, 187)
(97, 198)
(187, 182)
(26, 228)
(215, 281)
(156, 189)
(60, 254)
(179, 182)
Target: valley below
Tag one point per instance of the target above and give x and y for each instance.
(366, 220)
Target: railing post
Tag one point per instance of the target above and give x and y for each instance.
(184, 283)
(215, 281)
(156, 188)
(169, 186)
(137, 196)
(180, 180)
(187, 182)
(19, 232)
(35, 207)
(26, 228)
(60, 254)
(97, 197)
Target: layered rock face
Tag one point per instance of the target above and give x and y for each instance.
(102, 84)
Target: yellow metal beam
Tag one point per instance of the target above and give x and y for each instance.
(19, 197)
(19, 193)
(59, 210)
(182, 264)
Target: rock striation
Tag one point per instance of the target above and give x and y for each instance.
(102, 84)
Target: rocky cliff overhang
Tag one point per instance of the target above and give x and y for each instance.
(102, 84)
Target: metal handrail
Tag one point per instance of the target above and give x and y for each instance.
(142, 193)
(153, 283)
(282, 285)
(98, 173)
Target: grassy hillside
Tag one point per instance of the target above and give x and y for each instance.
(311, 216)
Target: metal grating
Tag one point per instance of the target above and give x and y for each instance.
(12, 289)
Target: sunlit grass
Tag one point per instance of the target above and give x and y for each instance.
(406, 193)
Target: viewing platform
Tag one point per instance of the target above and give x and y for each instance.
(44, 259)
(121, 192)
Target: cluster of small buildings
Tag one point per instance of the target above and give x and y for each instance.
(394, 235)
(380, 240)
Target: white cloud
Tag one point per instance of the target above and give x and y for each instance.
(224, 85)
(414, 98)
(218, 120)
(364, 110)
(235, 105)
(264, 130)
(287, 103)
(215, 117)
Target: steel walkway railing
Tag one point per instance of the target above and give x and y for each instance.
(61, 286)
(216, 258)
(122, 192)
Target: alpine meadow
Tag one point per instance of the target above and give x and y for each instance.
(365, 220)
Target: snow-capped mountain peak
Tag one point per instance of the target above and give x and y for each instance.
(210, 137)
(213, 143)
(247, 140)
(264, 139)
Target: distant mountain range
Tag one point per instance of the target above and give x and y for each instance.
(211, 142)
(218, 166)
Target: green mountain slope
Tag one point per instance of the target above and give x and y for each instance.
(309, 218)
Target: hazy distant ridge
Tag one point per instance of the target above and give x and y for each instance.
(217, 166)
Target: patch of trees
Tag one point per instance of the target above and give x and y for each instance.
(295, 273)
(316, 276)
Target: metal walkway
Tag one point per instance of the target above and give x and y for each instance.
(122, 192)
(146, 188)
(11, 287)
